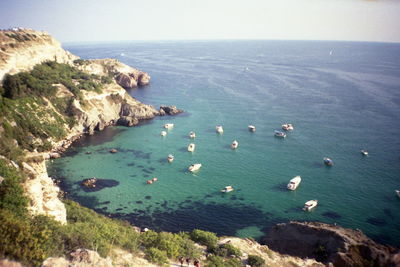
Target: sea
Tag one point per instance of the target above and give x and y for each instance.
(341, 97)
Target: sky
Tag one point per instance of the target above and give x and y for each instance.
(120, 20)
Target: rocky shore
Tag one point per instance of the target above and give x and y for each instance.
(330, 244)
(20, 51)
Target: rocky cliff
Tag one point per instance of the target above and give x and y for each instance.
(330, 244)
(21, 49)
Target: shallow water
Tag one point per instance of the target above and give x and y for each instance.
(338, 104)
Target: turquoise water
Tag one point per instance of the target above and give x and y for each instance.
(338, 104)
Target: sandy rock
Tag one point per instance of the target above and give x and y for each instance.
(8, 263)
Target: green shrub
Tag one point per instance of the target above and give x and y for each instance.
(157, 256)
(255, 261)
(91, 230)
(174, 245)
(205, 238)
(217, 261)
(226, 250)
(12, 196)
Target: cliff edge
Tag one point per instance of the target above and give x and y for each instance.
(53, 97)
(330, 244)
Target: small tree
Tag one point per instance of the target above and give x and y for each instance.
(255, 261)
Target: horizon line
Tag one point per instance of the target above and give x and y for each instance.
(220, 40)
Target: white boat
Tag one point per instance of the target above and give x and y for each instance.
(287, 127)
(252, 128)
(397, 192)
(328, 162)
(192, 135)
(191, 147)
(163, 133)
(234, 144)
(364, 152)
(309, 205)
(219, 129)
(227, 189)
(170, 158)
(194, 167)
(168, 125)
(294, 183)
(280, 134)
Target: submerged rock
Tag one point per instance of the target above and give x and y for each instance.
(330, 243)
(96, 184)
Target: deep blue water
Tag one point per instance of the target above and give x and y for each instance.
(340, 96)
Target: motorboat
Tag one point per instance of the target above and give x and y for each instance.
(227, 189)
(280, 134)
(168, 125)
(252, 128)
(287, 127)
(309, 205)
(219, 129)
(234, 144)
(191, 147)
(294, 183)
(194, 167)
(170, 158)
(397, 192)
(163, 133)
(328, 161)
(192, 135)
(364, 152)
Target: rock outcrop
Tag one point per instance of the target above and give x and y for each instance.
(42, 191)
(21, 49)
(169, 110)
(330, 243)
(124, 75)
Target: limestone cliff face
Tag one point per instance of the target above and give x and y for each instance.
(43, 193)
(21, 49)
(124, 75)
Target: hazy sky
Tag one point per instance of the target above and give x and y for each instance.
(107, 20)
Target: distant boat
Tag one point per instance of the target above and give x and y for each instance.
(397, 192)
(252, 128)
(294, 183)
(234, 144)
(309, 205)
(191, 147)
(163, 133)
(287, 127)
(194, 167)
(192, 135)
(364, 152)
(168, 125)
(219, 129)
(328, 162)
(227, 189)
(170, 158)
(280, 134)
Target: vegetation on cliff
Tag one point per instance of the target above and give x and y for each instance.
(31, 110)
(32, 239)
